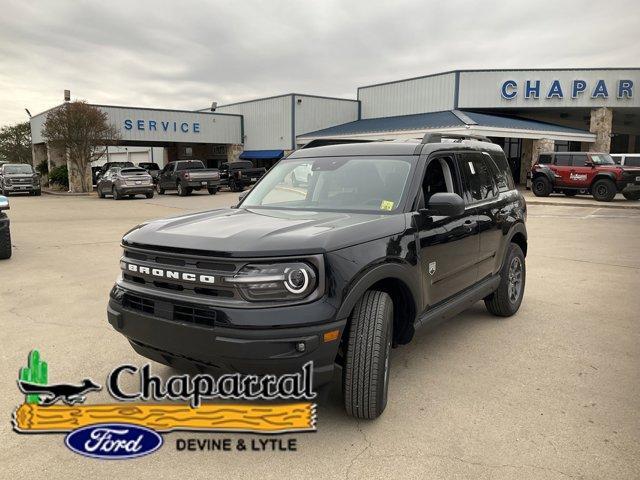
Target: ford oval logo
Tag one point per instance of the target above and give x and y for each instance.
(113, 441)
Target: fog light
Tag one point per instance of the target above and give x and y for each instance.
(301, 347)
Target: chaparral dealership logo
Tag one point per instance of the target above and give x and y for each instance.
(132, 426)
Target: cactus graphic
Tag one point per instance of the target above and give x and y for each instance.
(35, 372)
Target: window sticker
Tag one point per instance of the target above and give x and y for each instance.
(386, 205)
(473, 170)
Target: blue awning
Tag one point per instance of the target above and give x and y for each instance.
(262, 154)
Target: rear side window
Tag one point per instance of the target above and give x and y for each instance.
(545, 158)
(578, 160)
(563, 160)
(477, 177)
(500, 170)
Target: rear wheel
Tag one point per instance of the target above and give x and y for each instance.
(603, 190)
(366, 371)
(631, 195)
(506, 300)
(182, 190)
(101, 194)
(159, 189)
(212, 190)
(541, 187)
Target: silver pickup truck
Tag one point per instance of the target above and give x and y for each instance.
(185, 176)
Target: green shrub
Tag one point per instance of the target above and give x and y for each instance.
(43, 168)
(60, 176)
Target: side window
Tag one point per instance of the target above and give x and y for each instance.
(476, 177)
(563, 160)
(578, 160)
(545, 158)
(500, 170)
(439, 177)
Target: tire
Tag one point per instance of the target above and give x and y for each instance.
(182, 191)
(631, 195)
(212, 191)
(570, 193)
(116, 194)
(38, 193)
(159, 189)
(506, 300)
(541, 187)
(149, 194)
(603, 190)
(366, 371)
(5, 243)
(101, 194)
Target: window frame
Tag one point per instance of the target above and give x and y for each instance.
(467, 195)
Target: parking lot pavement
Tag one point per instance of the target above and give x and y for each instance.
(551, 393)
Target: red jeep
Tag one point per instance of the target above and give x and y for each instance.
(570, 172)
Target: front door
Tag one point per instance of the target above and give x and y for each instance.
(580, 173)
(449, 246)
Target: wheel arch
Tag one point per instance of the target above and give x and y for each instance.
(603, 176)
(398, 281)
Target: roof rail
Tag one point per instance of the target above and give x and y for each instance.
(322, 142)
(437, 137)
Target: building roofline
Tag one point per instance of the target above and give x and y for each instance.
(145, 108)
(472, 70)
(289, 95)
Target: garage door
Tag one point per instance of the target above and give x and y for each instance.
(137, 157)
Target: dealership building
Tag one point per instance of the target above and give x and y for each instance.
(524, 111)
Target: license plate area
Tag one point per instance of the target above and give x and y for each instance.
(203, 183)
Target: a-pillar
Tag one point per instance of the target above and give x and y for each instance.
(233, 152)
(601, 124)
(531, 150)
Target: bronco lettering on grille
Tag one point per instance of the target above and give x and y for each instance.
(170, 274)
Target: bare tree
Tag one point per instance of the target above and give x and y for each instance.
(83, 132)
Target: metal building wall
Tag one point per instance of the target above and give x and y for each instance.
(315, 113)
(213, 128)
(482, 89)
(267, 122)
(417, 95)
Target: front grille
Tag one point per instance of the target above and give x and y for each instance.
(199, 316)
(135, 302)
(165, 261)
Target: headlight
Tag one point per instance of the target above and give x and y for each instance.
(268, 282)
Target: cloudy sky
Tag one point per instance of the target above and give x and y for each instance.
(185, 54)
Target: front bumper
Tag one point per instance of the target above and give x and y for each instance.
(221, 349)
(21, 188)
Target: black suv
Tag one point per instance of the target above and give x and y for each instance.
(382, 238)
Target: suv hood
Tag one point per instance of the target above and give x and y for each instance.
(260, 232)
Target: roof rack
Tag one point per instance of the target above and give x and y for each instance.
(437, 137)
(323, 142)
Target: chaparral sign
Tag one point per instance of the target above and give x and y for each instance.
(577, 88)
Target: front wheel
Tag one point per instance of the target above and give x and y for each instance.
(149, 194)
(604, 190)
(212, 190)
(101, 194)
(631, 195)
(182, 191)
(159, 189)
(541, 187)
(5, 243)
(116, 194)
(506, 300)
(366, 371)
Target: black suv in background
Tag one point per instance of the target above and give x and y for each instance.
(380, 239)
(239, 174)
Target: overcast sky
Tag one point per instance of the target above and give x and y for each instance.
(185, 54)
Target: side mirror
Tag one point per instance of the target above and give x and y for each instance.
(588, 163)
(445, 204)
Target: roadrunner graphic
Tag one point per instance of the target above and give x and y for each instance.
(69, 394)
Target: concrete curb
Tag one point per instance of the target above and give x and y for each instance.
(66, 194)
(584, 205)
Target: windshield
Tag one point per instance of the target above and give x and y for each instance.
(338, 184)
(17, 168)
(602, 159)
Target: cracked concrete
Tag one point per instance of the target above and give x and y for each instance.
(548, 394)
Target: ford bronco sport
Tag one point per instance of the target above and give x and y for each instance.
(570, 172)
(381, 239)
